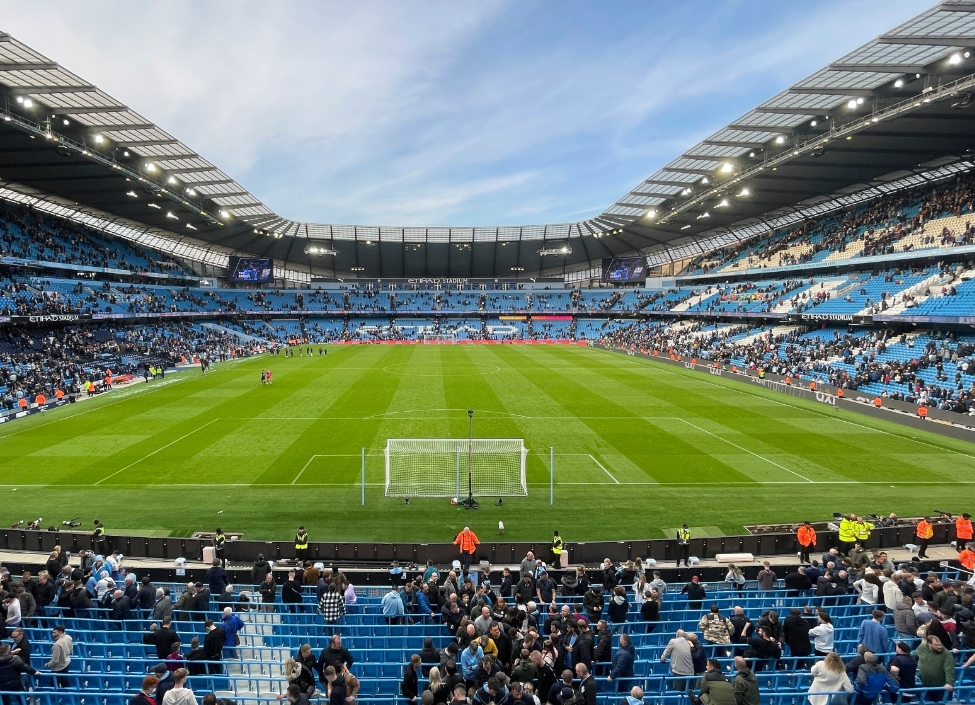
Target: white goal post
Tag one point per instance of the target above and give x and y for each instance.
(445, 467)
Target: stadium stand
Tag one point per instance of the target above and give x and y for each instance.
(121, 637)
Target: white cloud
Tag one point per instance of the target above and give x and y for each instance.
(433, 113)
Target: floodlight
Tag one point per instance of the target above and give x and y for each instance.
(99, 139)
(780, 140)
(169, 214)
(154, 205)
(745, 192)
(133, 194)
(125, 153)
(171, 180)
(190, 226)
(705, 180)
(20, 99)
(67, 122)
(28, 103)
(727, 168)
(7, 118)
(898, 83)
(859, 101)
(224, 214)
(724, 203)
(685, 227)
(851, 104)
(751, 155)
(650, 213)
(705, 214)
(955, 59)
(150, 166)
(190, 192)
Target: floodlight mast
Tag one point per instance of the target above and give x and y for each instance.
(470, 502)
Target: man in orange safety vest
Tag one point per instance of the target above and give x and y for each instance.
(924, 533)
(467, 542)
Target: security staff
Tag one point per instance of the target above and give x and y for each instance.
(924, 533)
(556, 561)
(863, 529)
(848, 534)
(683, 545)
(963, 531)
(219, 544)
(98, 538)
(301, 545)
(806, 536)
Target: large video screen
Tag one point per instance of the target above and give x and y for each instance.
(251, 269)
(624, 269)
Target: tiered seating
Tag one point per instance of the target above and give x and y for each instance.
(110, 659)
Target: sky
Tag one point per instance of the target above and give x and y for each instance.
(445, 113)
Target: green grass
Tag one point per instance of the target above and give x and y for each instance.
(640, 447)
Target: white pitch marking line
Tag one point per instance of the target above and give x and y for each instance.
(604, 469)
(303, 469)
(761, 457)
(157, 450)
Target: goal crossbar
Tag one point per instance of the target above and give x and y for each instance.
(447, 467)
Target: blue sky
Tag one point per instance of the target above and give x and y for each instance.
(445, 113)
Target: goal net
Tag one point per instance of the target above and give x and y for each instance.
(440, 467)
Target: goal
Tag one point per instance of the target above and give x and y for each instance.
(444, 467)
(434, 338)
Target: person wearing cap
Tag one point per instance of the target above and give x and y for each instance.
(963, 531)
(806, 537)
(695, 593)
(683, 545)
(466, 542)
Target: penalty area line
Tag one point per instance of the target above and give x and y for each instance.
(760, 457)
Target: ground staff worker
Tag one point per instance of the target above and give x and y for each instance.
(863, 529)
(683, 545)
(963, 531)
(467, 542)
(806, 536)
(219, 545)
(848, 534)
(301, 545)
(924, 533)
(556, 561)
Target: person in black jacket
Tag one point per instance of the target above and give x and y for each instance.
(260, 570)
(11, 668)
(291, 592)
(603, 651)
(762, 647)
(797, 582)
(145, 596)
(195, 658)
(201, 603)
(650, 611)
(610, 580)
(333, 654)
(409, 688)
(162, 638)
(213, 646)
(695, 593)
(795, 633)
(44, 592)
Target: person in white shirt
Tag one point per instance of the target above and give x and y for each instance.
(892, 592)
(822, 635)
(829, 676)
(13, 612)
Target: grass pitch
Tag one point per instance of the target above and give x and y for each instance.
(640, 447)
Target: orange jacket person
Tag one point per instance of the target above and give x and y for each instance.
(924, 533)
(963, 531)
(806, 535)
(967, 559)
(467, 542)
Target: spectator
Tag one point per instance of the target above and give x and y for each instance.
(437, 687)
(618, 606)
(829, 676)
(587, 685)
(905, 620)
(179, 694)
(872, 680)
(60, 662)
(635, 697)
(392, 606)
(873, 634)
(195, 658)
(337, 686)
(745, 684)
(232, 626)
(695, 593)
(678, 650)
(623, 660)
(410, 685)
(903, 667)
(715, 688)
(766, 577)
(213, 644)
(11, 669)
(822, 634)
(935, 663)
(650, 610)
(715, 628)
(795, 633)
(144, 696)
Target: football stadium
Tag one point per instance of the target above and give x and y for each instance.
(712, 443)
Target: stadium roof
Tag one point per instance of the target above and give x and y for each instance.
(898, 107)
